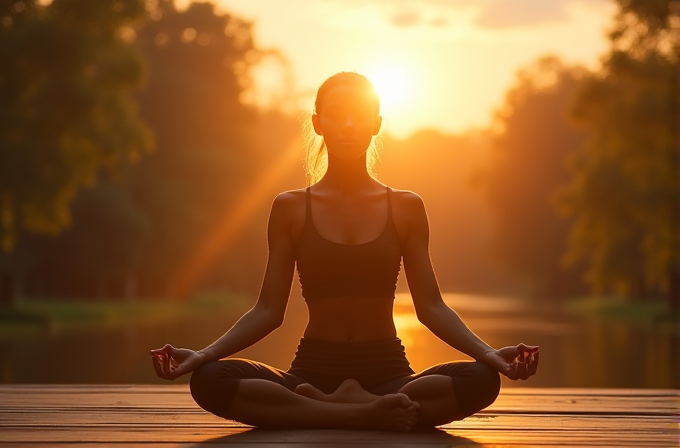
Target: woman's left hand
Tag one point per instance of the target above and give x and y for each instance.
(517, 363)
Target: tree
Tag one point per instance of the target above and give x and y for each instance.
(66, 106)
(136, 235)
(624, 192)
(525, 170)
(199, 65)
(95, 255)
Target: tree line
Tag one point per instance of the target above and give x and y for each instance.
(584, 181)
(124, 141)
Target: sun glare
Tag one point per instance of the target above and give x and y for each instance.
(392, 83)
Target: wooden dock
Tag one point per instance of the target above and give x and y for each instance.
(37, 415)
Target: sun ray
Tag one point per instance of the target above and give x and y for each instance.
(233, 220)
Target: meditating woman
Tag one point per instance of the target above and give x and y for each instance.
(347, 234)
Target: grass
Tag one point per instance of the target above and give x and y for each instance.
(78, 314)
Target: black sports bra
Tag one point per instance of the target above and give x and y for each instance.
(329, 269)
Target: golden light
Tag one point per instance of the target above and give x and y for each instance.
(234, 219)
(393, 83)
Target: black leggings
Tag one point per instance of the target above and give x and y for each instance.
(380, 367)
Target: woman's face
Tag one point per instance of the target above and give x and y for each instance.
(347, 119)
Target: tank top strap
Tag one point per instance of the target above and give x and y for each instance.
(308, 205)
(389, 204)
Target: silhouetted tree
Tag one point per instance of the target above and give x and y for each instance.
(526, 169)
(624, 191)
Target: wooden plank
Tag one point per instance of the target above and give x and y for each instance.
(587, 404)
(583, 401)
(166, 415)
(183, 388)
(524, 437)
(117, 418)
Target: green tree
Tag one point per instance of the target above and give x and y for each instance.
(66, 106)
(624, 192)
(525, 170)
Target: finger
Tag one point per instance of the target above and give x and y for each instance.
(166, 363)
(169, 349)
(173, 363)
(522, 372)
(511, 371)
(178, 371)
(162, 350)
(533, 365)
(508, 353)
(183, 368)
(157, 367)
(527, 348)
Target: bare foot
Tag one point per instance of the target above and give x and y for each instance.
(394, 412)
(312, 392)
(350, 391)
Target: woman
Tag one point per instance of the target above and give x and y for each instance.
(347, 234)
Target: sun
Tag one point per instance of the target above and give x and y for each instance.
(393, 84)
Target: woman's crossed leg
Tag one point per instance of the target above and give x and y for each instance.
(257, 394)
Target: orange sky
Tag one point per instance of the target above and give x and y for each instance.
(445, 64)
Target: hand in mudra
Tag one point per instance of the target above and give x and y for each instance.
(516, 362)
(171, 363)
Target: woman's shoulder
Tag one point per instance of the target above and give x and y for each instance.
(288, 208)
(406, 199)
(290, 198)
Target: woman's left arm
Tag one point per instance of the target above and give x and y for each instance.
(516, 362)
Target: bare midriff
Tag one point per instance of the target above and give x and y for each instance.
(347, 319)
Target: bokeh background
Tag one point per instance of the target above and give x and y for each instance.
(142, 143)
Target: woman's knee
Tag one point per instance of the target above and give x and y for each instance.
(213, 387)
(478, 388)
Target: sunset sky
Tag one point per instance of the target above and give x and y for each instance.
(441, 64)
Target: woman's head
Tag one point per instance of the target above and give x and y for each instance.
(346, 116)
(353, 79)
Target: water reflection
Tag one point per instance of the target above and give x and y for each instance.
(574, 352)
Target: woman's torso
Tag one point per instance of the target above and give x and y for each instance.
(363, 222)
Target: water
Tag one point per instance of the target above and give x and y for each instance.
(575, 352)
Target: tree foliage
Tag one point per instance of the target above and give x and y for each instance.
(66, 106)
(134, 237)
(199, 66)
(624, 192)
(526, 169)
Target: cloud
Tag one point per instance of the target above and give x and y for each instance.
(405, 18)
(521, 13)
(489, 14)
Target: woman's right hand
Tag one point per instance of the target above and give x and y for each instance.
(516, 362)
(171, 363)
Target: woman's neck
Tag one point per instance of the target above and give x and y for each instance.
(348, 176)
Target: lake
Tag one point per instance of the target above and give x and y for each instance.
(575, 351)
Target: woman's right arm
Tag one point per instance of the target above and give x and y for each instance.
(268, 312)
